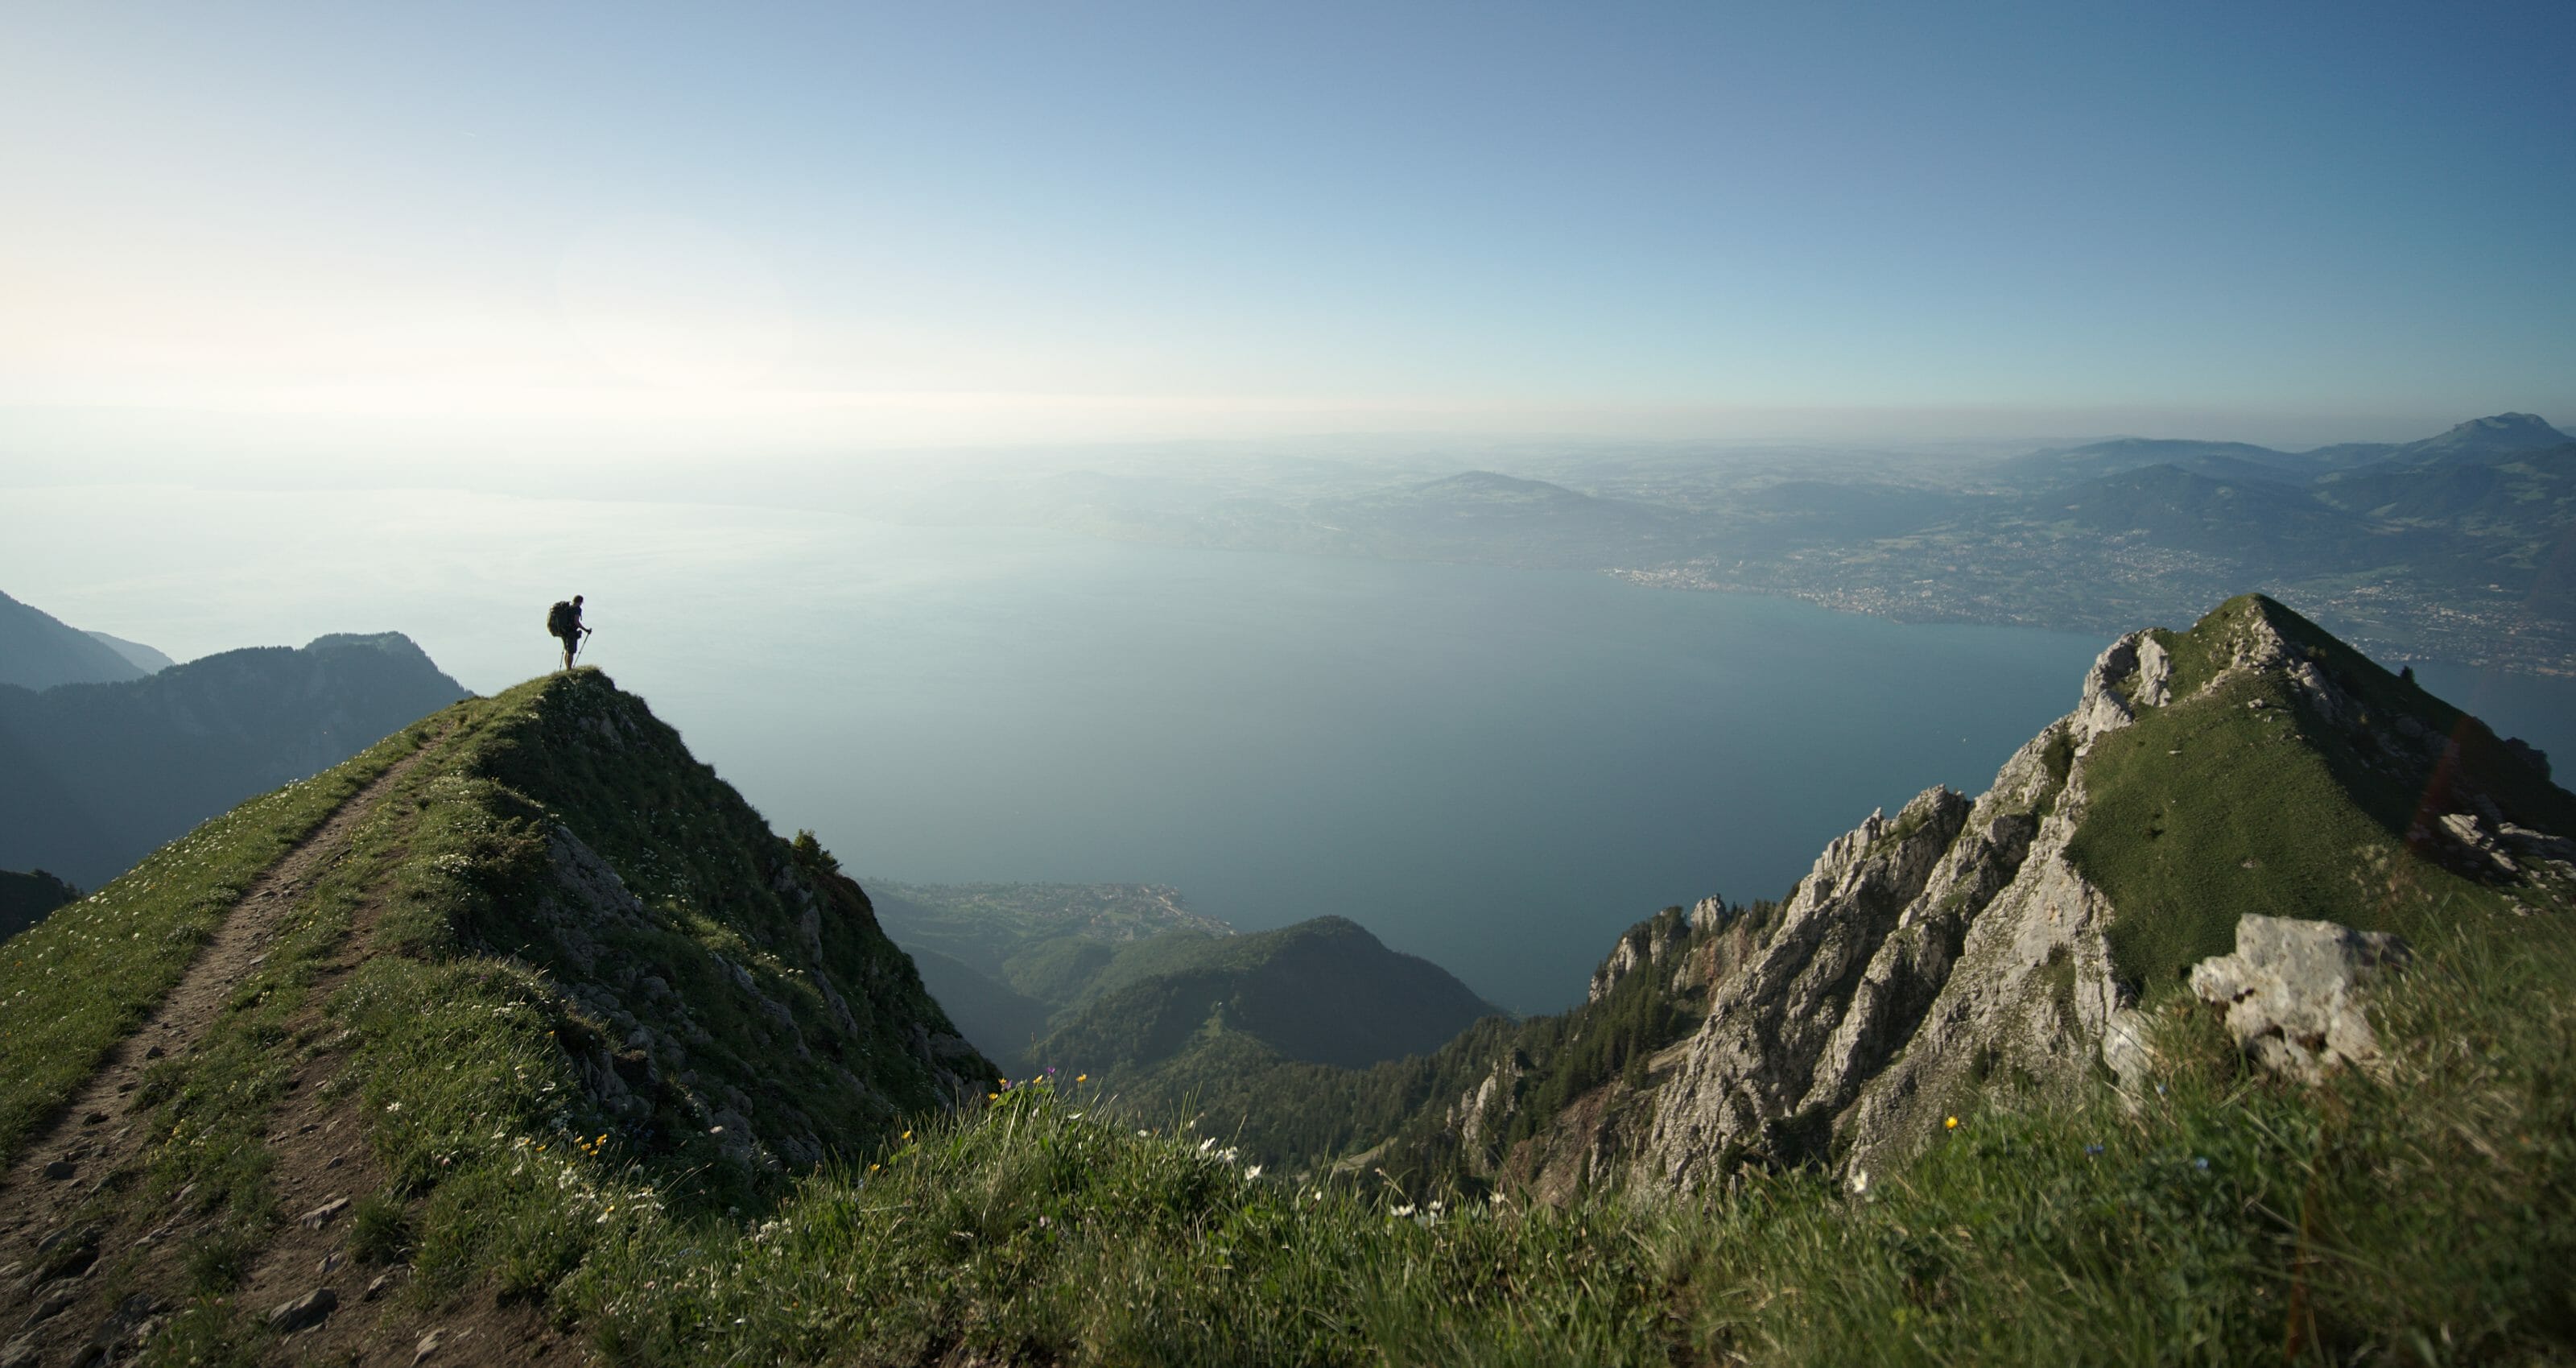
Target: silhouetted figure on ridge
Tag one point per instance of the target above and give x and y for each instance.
(563, 621)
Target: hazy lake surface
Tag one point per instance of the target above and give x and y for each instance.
(1496, 769)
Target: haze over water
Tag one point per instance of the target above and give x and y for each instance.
(1496, 769)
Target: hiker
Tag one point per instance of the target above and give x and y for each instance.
(564, 621)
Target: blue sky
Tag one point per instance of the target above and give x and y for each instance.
(933, 223)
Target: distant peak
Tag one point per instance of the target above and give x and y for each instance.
(391, 643)
(1487, 479)
(2509, 422)
(2497, 432)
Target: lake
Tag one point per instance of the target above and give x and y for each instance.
(1496, 769)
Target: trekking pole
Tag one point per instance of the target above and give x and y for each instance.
(578, 643)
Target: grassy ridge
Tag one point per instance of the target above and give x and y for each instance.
(2224, 1221)
(2244, 799)
(84, 978)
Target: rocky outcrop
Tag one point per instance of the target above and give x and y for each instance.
(1959, 946)
(635, 1036)
(1651, 943)
(2293, 992)
(1920, 953)
(1754, 1062)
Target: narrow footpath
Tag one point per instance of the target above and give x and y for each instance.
(91, 1146)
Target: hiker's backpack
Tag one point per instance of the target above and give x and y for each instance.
(560, 619)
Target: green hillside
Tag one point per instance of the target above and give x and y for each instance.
(2246, 797)
(1401, 1119)
(1323, 991)
(535, 930)
(1006, 958)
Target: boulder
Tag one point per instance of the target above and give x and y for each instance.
(310, 1309)
(2293, 991)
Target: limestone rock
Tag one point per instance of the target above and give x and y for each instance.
(1772, 1021)
(1650, 943)
(1920, 955)
(2293, 991)
(307, 1310)
(52, 1301)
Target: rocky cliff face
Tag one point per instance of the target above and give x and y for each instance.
(1953, 941)
(1961, 944)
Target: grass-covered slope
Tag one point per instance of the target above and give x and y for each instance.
(1427, 1121)
(2244, 795)
(1324, 991)
(79, 981)
(2400, 1219)
(556, 934)
(739, 977)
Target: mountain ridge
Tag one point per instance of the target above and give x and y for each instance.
(38, 651)
(103, 771)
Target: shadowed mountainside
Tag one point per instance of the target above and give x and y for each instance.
(38, 652)
(26, 898)
(98, 774)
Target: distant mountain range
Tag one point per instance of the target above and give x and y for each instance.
(2477, 441)
(2456, 546)
(140, 656)
(2490, 502)
(98, 773)
(37, 651)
